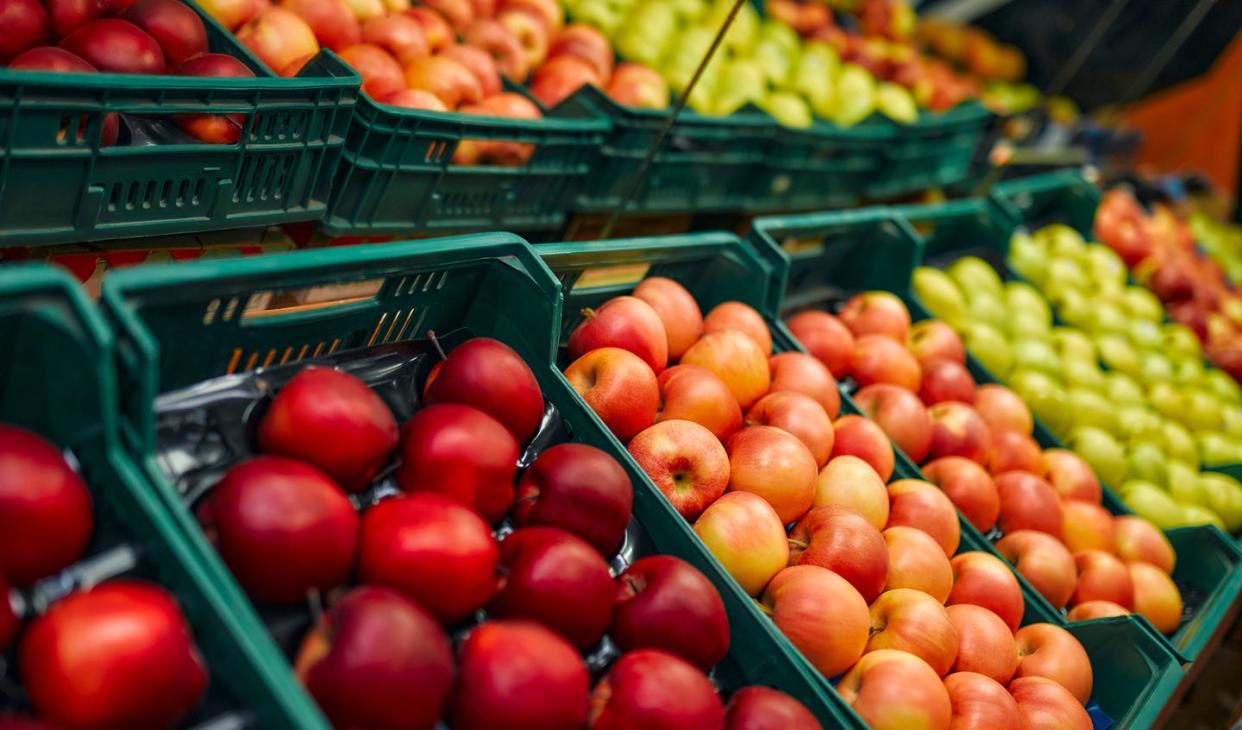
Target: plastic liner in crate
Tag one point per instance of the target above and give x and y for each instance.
(60, 183)
(369, 308)
(824, 166)
(397, 173)
(57, 380)
(936, 150)
(836, 254)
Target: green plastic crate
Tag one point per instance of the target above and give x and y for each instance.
(397, 174)
(490, 284)
(935, 151)
(824, 166)
(718, 267)
(58, 185)
(57, 379)
(1209, 562)
(1063, 196)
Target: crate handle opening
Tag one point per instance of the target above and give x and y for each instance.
(612, 276)
(265, 305)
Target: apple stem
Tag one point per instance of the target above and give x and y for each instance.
(431, 335)
(801, 545)
(764, 608)
(588, 312)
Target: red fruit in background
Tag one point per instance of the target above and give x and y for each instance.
(446, 78)
(843, 541)
(67, 16)
(763, 708)
(215, 128)
(825, 337)
(399, 34)
(1014, 451)
(51, 58)
(675, 305)
(858, 436)
(741, 317)
(1001, 408)
(119, 655)
(876, 313)
(517, 675)
(634, 84)
(586, 43)
(117, 46)
(1028, 503)
(1071, 477)
(333, 21)
(902, 416)
(280, 39)
(480, 63)
(881, 359)
(665, 603)
(957, 430)
(435, 28)
(803, 373)
(628, 323)
(25, 25)
(283, 528)
(177, 28)
(580, 489)
(378, 660)
(969, 487)
(420, 543)
(550, 576)
(414, 99)
(458, 13)
(490, 376)
(558, 78)
(380, 72)
(932, 340)
(655, 690)
(462, 453)
(333, 421)
(45, 508)
(502, 45)
(945, 380)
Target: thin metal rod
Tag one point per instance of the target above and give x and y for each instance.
(668, 126)
(1086, 47)
(1168, 50)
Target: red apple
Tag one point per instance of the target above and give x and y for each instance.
(1096, 609)
(743, 532)
(741, 317)
(45, 509)
(451, 81)
(420, 543)
(799, 415)
(1156, 597)
(969, 487)
(1046, 705)
(177, 28)
(1028, 503)
(232, 14)
(619, 387)
(119, 655)
(283, 527)
(490, 376)
(980, 703)
(380, 72)
(851, 482)
(558, 78)
(530, 32)
(876, 313)
(1052, 652)
(918, 504)
(498, 152)
(458, 13)
(895, 689)
(25, 25)
(985, 645)
(735, 358)
(65, 16)
(685, 461)
(932, 340)
(775, 465)
(763, 708)
(462, 453)
(280, 39)
(912, 621)
(981, 579)
(650, 688)
(863, 439)
(213, 128)
(636, 85)
(399, 34)
(332, 421)
(957, 430)
(821, 614)
(1015, 451)
(116, 46)
(880, 359)
(21, 722)
(676, 307)
(841, 540)
(437, 31)
(51, 58)
(416, 99)
(902, 416)
(825, 337)
(625, 322)
(1043, 561)
(805, 18)
(1071, 477)
(378, 659)
(801, 373)
(945, 380)
(550, 576)
(913, 564)
(502, 45)
(518, 675)
(1136, 539)
(692, 393)
(1086, 526)
(1001, 408)
(333, 22)
(480, 63)
(578, 488)
(547, 12)
(585, 42)
(665, 603)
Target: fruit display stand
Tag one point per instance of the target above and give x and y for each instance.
(716, 267)
(824, 263)
(936, 150)
(61, 182)
(179, 325)
(58, 381)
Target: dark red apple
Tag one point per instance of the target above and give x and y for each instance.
(763, 708)
(665, 603)
(518, 675)
(655, 690)
(45, 508)
(283, 528)
(22, 722)
(117, 46)
(490, 376)
(178, 29)
(216, 128)
(119, 655)
(67, 16)
(51, 58)
(945, 380)
(432, 549)
(25, 25)
(578, 488)
(333, 421)
(555, 578)
(378, 660)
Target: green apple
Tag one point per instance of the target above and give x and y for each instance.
(1067, 272)
(1022, 297)
(1224, 495)
(896, 103)
(1138, 423)
(989, 347)
(1225, 387)
(1180, 340)
(605, 15)
(1083, 374)
(741, 36)
(775, 60)
(1231, 420)
(1167, 399)
(1151, 503)
(1045, 397)
(1178, 442)
(1031, 354)
(1123, 390)
(1142, 304)
(776, 32)
(1101, 451)
(688, 11)
(855, 96)
(1146, 461)
(814, 76)
(1154, 368)
(1104, 265)
(647, 33)
(1072, 305)
(1183, 483)
(1117, 353)
(1028, 258)
(1026, 325)
(974, 275)
(1072, 344)
(683, 60)
(1203, 412)
(987, 308)
(1107, 317)
(1144, 334)
(1090, 408)
(742, 82)
(787, 108)
(1188, 371)
(941, 296)
(1217, 449)
(1193, 515)
(1062, 240)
